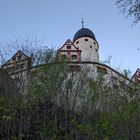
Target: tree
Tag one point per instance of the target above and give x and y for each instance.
(82, 107)
(130, 8)
(61, 104)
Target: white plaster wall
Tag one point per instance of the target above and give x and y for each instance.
(88, 53)
(91, 70)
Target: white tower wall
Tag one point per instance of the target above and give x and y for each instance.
(89, 48)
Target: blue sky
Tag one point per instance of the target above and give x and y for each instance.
(54, 21)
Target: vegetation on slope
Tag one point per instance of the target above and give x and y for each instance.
(67, 105)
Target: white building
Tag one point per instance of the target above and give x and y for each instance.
(84, 51)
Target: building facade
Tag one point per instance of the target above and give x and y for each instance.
(86, 43)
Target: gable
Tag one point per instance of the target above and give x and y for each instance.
(68, 45)
(19, 56)
(136, 76)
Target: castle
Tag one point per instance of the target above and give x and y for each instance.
(83, 50)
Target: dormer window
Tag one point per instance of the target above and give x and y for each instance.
(69, 47)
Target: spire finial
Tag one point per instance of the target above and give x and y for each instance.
(82, 23)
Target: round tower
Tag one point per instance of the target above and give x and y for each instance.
(85, 40)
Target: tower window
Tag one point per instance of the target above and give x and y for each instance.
(68, 47)
(94, 42)
(77, 42)
(90, 46)
(96, 50)
(86, 39)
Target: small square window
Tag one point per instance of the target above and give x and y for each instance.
(90, 46)
(68, 47)
(14, 59)
(22, 66)
(86, 39)
(19, 57)
(74, 57)
(64, 57)
(96, 50)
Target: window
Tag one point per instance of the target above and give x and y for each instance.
(19, 57)
(77, 42)
(18, 67)
(101, 70)
(64, 57)
(74, 68)
(10, 69)
(90, 46)
(86, 39)
(68, 47)
(22, 66)
(74, 57)
(96, 50)
(94, 42)
(14, 59)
